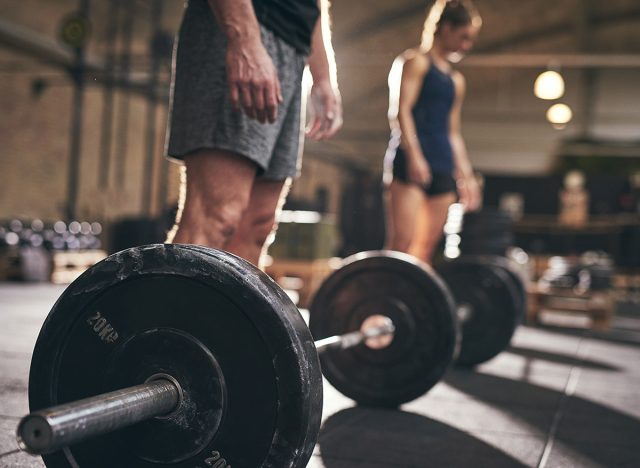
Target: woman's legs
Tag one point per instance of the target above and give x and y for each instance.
(403, 202)
(431, 217)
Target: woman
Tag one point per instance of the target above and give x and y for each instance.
(427, 157)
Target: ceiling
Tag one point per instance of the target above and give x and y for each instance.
(368, 34)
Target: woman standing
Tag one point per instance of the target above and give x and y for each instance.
(427, 158)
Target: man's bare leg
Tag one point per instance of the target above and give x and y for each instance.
(259, 220)
(214, 198)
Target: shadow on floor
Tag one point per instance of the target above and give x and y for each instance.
(376, 438)
(559, 358)
(616, 335)
(602, 434)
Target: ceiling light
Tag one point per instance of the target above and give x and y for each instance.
(559, 115)
(549, 85)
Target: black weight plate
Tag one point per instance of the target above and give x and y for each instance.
(479, 231)
(484, 247)
(194, 301)
(414, 298)
(502, 240)
(487, 216)
(495, 307)
(518, 282)
(161, 352)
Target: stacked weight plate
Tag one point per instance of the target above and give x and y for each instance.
(488, 232)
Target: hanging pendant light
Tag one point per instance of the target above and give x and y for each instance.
(549, 85)
(559, 115)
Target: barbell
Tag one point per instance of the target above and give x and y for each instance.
(200, 359)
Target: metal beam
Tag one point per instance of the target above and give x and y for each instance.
(397, 17)
(388, 20)
(558, 29)
(41, 47)
(506, 60)
(47, 50)
(584, 23)
(545, 60)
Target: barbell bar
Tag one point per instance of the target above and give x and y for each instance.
(51, 429)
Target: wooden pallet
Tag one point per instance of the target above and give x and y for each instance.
(68, 265)
(32, 264)
(302, 276)
(593, 309)
(9, 264)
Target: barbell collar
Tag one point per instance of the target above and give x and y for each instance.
(349, 340)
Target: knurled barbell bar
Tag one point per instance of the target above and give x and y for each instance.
(229, 367)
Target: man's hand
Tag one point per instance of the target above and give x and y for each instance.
(253, 80)
(326, 111)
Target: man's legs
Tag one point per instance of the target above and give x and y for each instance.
(214, 198)
(259, 220)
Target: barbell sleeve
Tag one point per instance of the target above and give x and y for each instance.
(349, 340)
(50, 429)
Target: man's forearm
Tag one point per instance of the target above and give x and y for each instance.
(252, 78)
(237, 19)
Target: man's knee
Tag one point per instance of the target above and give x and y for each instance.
(256, 228)
(223, 219)
(264, 225)
(218, 189)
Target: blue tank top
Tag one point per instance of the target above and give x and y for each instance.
(431, 115)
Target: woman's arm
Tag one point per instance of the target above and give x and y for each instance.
(466, 181)
(415, 67)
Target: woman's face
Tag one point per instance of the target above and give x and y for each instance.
(458, 38)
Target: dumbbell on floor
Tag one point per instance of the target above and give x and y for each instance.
(229, 353)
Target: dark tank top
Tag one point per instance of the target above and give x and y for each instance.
(431, 115)
(291, 20)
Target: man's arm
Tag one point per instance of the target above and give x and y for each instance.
(326, 105)
(251, 76)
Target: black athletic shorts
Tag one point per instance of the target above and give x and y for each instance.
(441, 182)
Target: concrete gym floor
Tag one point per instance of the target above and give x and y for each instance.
(556, 398)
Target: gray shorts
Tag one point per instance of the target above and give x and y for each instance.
(201, 116)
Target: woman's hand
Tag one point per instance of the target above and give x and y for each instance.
(418, 171)
(469, 191)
